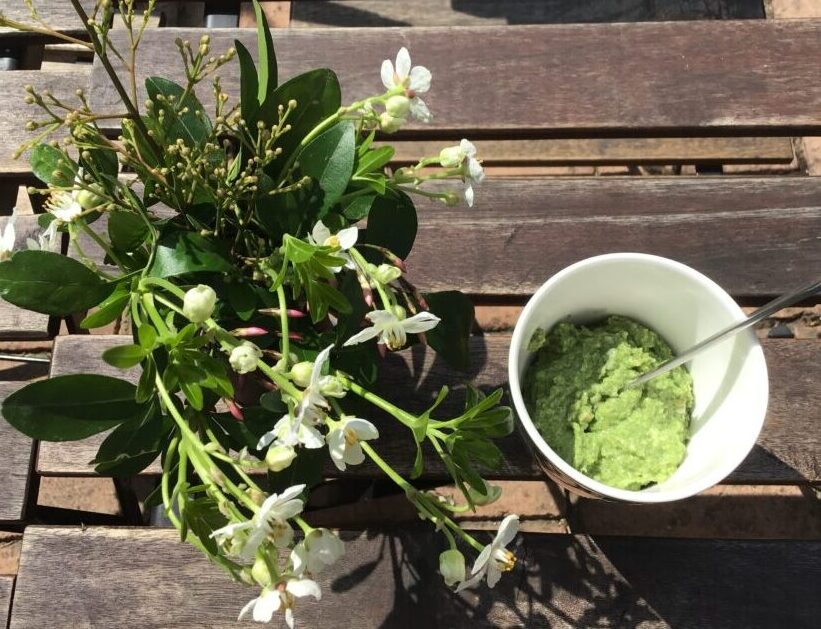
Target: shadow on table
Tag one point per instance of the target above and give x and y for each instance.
(584, 582)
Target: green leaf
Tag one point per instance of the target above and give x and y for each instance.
(243, 299)
(451, 337)
(126, 230)
(133, 445)
(267, 56)
(146, 386)
(374, 160)
(124, 356)
(50, 283)
(67, 408)
(181, 252)
(392, 224)
(317, 95)
(328, 159)
(109, 309)
(52, 166)
(193, 393)
(248, 84)
(418, 463)
(147, 336)
(193, 126)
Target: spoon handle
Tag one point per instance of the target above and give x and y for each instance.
(765, 311)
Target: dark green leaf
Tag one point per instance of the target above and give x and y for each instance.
(134, 445)
(181, 252)
(418, 463)
(51, 165)
(67, 408)
(146, 386)
(203, 517)
(50, 283)
(451, 337)
(267, 56)
(243, 299)
(374, 160)
(147, 336)
(193, 393)
(359, 207)
(126, 230)
(328, 159)
(109, 309)
(392, 224)
(248, 82)
(191, 126)
(124, 356)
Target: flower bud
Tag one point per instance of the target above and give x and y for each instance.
(390, 124)
(451, 156)
(301, 373)
(260, 572)
(251, 331)
(279, 457)
(88, 199)
(492, 494)
(452, 566)
(398, 106)
(332, 387)
(244, 357)
(198, 304)
(400, 312)
(386, 273)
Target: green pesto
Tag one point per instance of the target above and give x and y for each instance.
(574, 391)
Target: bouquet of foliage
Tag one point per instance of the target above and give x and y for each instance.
(259, 309)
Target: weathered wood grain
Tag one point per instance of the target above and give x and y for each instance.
(16, 323)
(6, 589)
(58, 14)
(788, 450)
(718, 78)
(604, 151)
(752, 236)
(490, 12)
(14, 112)
(390, 580)
(16, 451)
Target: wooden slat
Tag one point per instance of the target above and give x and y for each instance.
(58, 14)
(788, 450)
(755, 237)
(6, 589)
(16, 323)
(390, 580)
(14, 113)
(16, 452)
(718, 78)
(383, 13)
(604, 151)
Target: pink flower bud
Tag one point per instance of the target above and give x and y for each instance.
(294, 336)
(236, 411)
(251, 331)
(368, 295)
(295, 314)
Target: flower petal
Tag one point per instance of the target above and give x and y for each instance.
(289, 509)
(319, 363)
(304, 587)
(420, 79)
(420, 322)
(230, 529)
(403, 63)
(310, 437)
(493, 575)
(320, 233)
(360, 337)
(363, 429)
(347, 237)
(469, 194)
(387, 74)
(507, 531)
(291, 493)
(467, 147)
(267, 603)
(480, 565)
(419, 110)
(464, 585)
(289, 618)
(336, 448)
(266, 439)
(475, 170)
(354, 455)
(249, 606)
(299, 556)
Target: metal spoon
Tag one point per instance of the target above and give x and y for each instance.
(763, 312)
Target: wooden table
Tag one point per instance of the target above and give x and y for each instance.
(727, 91)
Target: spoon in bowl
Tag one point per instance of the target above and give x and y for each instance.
(765, 311)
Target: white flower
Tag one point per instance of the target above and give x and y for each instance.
(343, 441)
(318, 550)
(290, 432)
(244, 357)
(270, 520)
(64, 205)
(464, 155)
(344, 240)
(7, 239)
(392, 331)
(415, 80)
(283, 595)
(452, 566)
(494, 558)
(198, 304)
(46, 240)
(390, 124)
(386, 273)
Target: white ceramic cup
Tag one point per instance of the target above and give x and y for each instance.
(684, 307)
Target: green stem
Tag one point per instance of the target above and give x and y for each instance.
(404, 417)
(156, 319)
(102, 244)
(166, 473)
(306, 528)
(389, 471)
(283, 323)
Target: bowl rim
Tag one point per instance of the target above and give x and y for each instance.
(518, 345)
